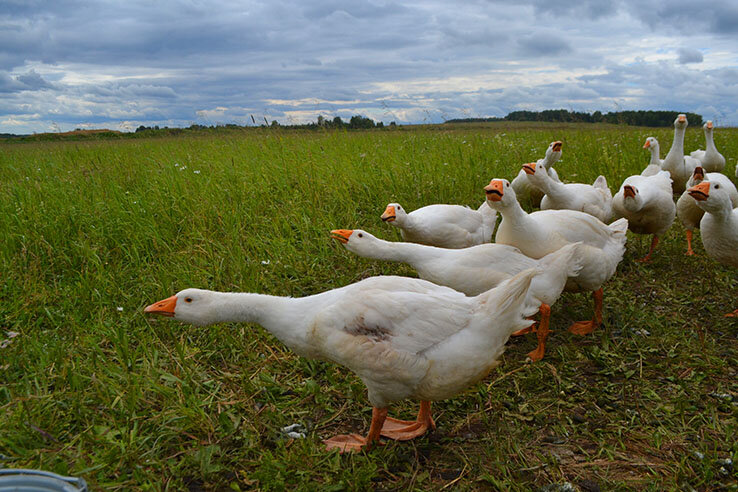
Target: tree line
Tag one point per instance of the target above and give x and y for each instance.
(637, 118)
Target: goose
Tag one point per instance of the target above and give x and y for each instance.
(445, 226)
(654, 165)
(712, 161)
(719, 225)
(680, 166)
(403, 337)
(525, 190)
(476, 269)
(594, 199)
(689, 213)
(539, 233)
(647, 203)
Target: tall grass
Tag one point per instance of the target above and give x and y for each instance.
(94, 231)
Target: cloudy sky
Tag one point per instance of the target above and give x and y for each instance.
(119, 64)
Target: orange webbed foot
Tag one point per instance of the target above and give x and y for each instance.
(405, 430)
(583, 327)
(531, 329)
(344, 443)
(734, 314)
(645, 259)
(537, 354)
(690, 252)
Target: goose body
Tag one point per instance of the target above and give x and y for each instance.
(476, 269)
(710, 159)
(654, 165)
(719, 225)
(594, 199)
(689, 212)
(525, 190)
(540, 233)
(445, 226)
(404, 337)
(647, 203)
(680, 166)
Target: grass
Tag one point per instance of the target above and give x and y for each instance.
(94, 231)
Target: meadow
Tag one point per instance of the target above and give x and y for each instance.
(92, 232)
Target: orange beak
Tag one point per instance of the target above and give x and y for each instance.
(628, 191)
(389, 214)
(647, 144)
(164, 308)
(529, 168)
(700, 191)
(557, 146)
(709, 125)
(682, 118)
(699, 173)
(494, 190)
(342, 235)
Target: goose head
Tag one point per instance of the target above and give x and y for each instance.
(394, 214)
(499, 194)
(632, 200)
(707, 126)
(355, 240)
(195, 306)
(680, 122)
(651, 143)
(710, 197)
(697, 177)
(537, 173)
(553, 153)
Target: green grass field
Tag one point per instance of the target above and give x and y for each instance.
(94, 231)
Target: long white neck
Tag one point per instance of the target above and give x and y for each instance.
(677, 145)
(411, 253)
(709, 143)
(284, 317)
(514, 217)
(655, 159)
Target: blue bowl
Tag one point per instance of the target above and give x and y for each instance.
(16, 480)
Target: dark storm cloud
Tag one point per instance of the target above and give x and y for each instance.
(179, 62)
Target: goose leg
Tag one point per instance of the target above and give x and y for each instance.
(355, 442)
(647, 258)
(690, 251)
(587, 327)
(543, 332)
(404, 430)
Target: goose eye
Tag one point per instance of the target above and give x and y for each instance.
(507, 184)
(717, 186)
(361, 235)
(188, 299)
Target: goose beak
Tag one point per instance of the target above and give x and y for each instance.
(699, 173)
(389, 214)
(341, 235)
(647, 144)
(164, 308)
(682, 118)
(494, 190)
(529, 168)
(709, 125)
(700, 191)
(629, 191)
(557, 146)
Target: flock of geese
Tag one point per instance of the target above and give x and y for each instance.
(429, 338)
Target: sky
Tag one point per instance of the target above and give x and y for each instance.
(120, 64)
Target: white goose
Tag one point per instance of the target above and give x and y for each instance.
(719, 226)
(647, 203)
(654, 165)
(545, 231)
(711, 160)
(689, 213)
(445, 226)
(404, 337)
(680, 166)
(476, 269)
(594, 199)
(525, 190)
